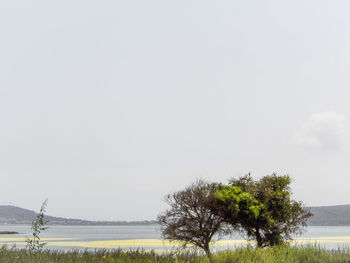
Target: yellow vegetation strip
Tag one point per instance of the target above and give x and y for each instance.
(158, 243)
(131, 243)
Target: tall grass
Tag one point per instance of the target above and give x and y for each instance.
(286, 254)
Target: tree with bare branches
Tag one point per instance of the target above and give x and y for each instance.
(189, 218)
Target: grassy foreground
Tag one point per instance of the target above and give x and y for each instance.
(312, 254)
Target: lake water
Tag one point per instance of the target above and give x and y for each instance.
(149, 237)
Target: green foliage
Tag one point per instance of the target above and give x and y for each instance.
(279, 216)
(34, 244)
(234, 205)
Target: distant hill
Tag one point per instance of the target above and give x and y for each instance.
(15, 215)
(338, 215)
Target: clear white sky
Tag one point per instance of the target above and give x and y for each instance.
(106, 106)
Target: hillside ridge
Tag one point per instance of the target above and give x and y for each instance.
(10, 214)
(335, 215)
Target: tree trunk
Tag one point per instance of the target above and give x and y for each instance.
(259, 241)
(207, 252)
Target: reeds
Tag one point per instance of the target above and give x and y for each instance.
(285, 254)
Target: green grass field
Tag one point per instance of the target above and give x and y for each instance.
(307, 254)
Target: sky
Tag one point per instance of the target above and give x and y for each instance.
(107, 106)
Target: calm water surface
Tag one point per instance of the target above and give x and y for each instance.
(328, 236)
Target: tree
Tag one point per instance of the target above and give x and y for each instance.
(189, 219)
(38, 225)
(279, 215)
(234, 205)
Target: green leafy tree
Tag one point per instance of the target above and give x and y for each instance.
(38, 225)
(189, 218)
(279, 215)
(234, 205)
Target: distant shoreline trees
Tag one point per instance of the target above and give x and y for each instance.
(263, 210)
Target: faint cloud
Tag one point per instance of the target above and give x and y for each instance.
(322, 131)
